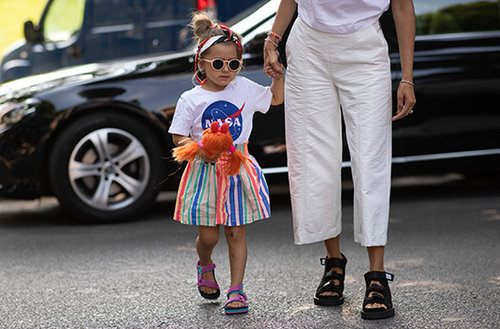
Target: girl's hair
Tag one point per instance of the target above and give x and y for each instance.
(204, 28)
(215, 141)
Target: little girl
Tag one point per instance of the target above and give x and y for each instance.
(207, 197)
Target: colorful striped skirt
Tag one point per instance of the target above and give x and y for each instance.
(209, 198)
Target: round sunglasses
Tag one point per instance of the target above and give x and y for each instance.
(218, 63)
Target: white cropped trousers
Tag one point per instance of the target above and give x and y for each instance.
(329, 73)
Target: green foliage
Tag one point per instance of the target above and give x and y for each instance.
(13, 14)
(472, 17)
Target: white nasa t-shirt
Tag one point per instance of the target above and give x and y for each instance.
(198, 108)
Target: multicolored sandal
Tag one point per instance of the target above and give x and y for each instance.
(204, 283)
(240, 297)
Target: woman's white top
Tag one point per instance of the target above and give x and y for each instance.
(341, 16)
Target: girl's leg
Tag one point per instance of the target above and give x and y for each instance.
(237, 243)
(208, 236)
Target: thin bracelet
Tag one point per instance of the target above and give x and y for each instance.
(408, 82)
(274, 35)
(271, 41)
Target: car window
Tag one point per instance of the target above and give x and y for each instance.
(168, 10)
(116, 12)
(456, 16)
(63, 19)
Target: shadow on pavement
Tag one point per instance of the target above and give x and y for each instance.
(47, 212)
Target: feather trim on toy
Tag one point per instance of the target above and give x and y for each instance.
(215, 141)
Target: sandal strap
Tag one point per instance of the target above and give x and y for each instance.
(203, 282)
(376, 289)
(378, 276)
(330, 287)
(327, 283)
(209, 284)
(332, 275)
(240, 297)
(374, 299)
(334, 262)
(238, 288)
(205, 269)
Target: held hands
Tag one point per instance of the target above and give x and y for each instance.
(406, 100)
(272, 67)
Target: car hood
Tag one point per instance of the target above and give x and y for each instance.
(26, 87)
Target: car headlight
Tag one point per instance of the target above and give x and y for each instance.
(12, 113)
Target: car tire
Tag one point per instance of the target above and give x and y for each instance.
(105, 167)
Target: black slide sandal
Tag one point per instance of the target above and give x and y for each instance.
(381, 294)
(327, 282)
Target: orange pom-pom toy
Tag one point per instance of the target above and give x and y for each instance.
(215, 141)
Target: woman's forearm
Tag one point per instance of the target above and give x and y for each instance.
(404, 19)
(284, 16)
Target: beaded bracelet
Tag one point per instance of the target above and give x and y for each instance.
(274, 35)
(408, 82)
(271, 41)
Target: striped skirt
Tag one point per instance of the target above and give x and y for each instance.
(209, 198)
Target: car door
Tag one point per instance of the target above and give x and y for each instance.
(117, 30)
(457, 77)
(61, 25)
(166, 25)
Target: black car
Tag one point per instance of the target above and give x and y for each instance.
(95, 136)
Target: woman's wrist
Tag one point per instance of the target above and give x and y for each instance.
(273, 38)
(409, 82)
(269, 40)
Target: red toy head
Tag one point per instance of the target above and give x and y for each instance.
(215, 141)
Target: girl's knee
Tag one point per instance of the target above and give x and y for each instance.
(235, 232)
(208, 237)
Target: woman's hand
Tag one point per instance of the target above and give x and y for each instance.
(272, 67)
(406, 101)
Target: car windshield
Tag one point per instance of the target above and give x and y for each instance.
(63, 19)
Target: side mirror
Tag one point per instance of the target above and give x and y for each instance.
(32, 32)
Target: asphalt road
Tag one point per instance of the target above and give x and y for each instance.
(443, 247)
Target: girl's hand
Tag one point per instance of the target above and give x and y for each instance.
(272, 67)
(406, 101)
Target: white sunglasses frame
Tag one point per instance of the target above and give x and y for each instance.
(225, 62)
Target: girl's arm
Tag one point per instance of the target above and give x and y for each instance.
(278, 90)
(180, 140)
(404, 19)
(272, 66)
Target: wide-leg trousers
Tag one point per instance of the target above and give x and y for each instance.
(328, 74)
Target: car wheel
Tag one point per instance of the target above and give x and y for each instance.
(104, 167)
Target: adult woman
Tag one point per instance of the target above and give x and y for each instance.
(338, 61)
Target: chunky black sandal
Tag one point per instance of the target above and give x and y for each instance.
(327, 282)
(381, 294)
